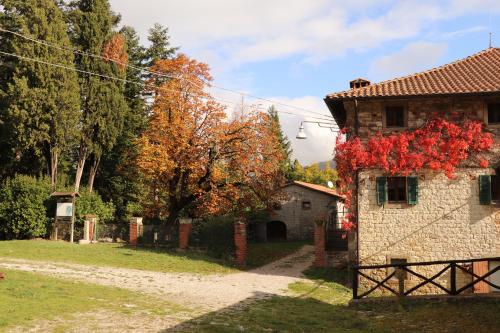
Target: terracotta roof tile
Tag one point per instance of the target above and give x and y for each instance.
(318, 188)
(478, 73)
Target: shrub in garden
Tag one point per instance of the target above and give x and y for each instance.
(92, 203)
(23, 207)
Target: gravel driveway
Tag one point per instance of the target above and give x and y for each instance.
(203, 292)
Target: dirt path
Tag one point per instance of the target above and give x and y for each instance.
(203, 292)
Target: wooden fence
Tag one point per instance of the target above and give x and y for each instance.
(401, 271)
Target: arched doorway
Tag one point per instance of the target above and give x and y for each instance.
(276, 231)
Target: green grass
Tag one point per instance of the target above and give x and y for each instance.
(115, 255)
(321, 306)
(25, 297)
(260, 254)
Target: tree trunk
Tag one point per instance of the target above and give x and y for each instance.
(54, 162)
(82, 158)
(93, 172)
(52, 159)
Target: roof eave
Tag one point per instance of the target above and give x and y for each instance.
(331, 99)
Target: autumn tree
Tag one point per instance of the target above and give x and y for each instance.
(314, 173)
(197, 161)
(102, 99)
(40, 102)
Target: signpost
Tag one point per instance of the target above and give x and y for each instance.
(65, 215)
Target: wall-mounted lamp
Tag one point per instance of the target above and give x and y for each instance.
(301, 135)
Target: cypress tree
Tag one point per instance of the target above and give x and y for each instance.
(103, 102)
(39, 103)
(285, 145)
(119, 180)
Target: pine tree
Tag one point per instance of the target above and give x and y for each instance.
(103, 102)
(285, 145)
(160, 47)
(40, 102)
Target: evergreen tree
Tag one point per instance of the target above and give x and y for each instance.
(39, 103)
(285, 145)
(103, 102)
(119, 180)
(160, 47)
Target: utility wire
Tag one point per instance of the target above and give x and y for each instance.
(132, 82)
(142, 69)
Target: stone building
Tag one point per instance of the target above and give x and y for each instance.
(296, 210)
(426, 216)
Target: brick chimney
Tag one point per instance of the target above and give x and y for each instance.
(359, 83)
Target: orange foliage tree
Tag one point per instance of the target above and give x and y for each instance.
(115, 50)
(196, 159)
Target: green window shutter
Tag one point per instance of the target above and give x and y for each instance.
(412, 190)
(484, 189)
(381, 190)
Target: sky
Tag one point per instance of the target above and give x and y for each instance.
(296, 51)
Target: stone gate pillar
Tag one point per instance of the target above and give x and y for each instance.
(319, 245)
(185, 226)
(240, 242)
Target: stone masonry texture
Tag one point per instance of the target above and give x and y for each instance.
(448, 222)
(300, 222)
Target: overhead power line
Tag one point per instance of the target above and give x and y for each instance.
(58, 65)
(147, 71)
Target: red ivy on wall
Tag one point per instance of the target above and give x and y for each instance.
(440, 145)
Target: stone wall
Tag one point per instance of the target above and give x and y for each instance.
(447, 223)
(371, 114)
(300, 222)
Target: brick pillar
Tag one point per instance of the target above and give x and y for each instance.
(240, 242)
(135, 225)
(185, 226)
(319, 245)
(90, 222)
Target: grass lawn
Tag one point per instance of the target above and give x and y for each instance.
(115, 255)
(321, 306)
(25, 297)
(260, 254)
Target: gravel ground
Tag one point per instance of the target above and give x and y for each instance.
(204, 293)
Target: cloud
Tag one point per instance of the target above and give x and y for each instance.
(249, 31)
(412, 58)
(462, 32)
(238, 32)
(320, 142)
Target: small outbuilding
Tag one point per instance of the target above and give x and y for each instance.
(297, 208)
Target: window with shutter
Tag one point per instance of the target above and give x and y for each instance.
(412, 188)
(396, 189)
(381, 190)
(485, 189)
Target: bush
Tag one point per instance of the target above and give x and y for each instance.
(92, 203)
(215, 234)
(23, 207)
